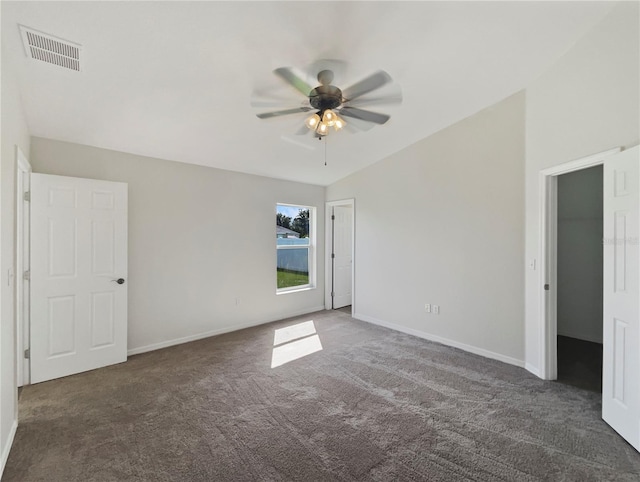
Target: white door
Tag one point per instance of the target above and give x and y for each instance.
(342, 249)
(621, 364)
(78, 274)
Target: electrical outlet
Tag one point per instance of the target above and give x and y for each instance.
(436, 309)
(427, 308)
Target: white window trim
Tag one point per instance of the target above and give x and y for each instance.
(312, 252)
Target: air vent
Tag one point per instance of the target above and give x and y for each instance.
(50, 49)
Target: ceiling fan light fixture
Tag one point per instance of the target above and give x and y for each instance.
(328, 104)
(323, 129)
(329, 117)
(312, 121)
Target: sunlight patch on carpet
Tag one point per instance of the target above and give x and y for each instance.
(294, 342)
(293, 332)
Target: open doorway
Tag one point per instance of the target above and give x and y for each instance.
(549, 255)
(340, 256)
(580, 278)
(620, 283)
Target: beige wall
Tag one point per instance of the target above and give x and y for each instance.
(199, 238)
(441, 222)
(14, 134)
(585, 103)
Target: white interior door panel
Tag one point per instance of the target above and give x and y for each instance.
(342, 248)
(78, 252)
(621, 347)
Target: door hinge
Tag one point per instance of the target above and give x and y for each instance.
(333, 255)
(332, 294)
(27, 196)
(333, 217)
(27, 353)
(26, 275)
(546, 287)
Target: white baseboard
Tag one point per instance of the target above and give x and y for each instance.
(7, 448)
(445, 341)
(531, 369)
(218, 331)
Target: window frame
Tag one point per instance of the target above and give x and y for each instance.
(311, 246)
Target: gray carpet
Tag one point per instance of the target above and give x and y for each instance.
(373, 404)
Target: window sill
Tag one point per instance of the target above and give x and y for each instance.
(295, 290)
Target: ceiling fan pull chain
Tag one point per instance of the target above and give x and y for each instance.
(325, 151)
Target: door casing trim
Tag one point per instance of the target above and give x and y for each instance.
(548, 209)
(23, 339)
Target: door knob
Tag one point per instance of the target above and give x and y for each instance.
(120, 281)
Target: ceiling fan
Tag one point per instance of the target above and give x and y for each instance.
(331, 103)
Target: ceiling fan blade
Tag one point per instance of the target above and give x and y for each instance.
(394, 98)
(365, 115)
(306, 144)
(366, 85)
(354, 125)
(262, 102)
(303, 131)
(352, 128)
(278, 113)
(267, 97)
(294, 79)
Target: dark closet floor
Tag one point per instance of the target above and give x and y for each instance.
(580, 363)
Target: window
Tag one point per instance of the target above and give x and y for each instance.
(295, 239)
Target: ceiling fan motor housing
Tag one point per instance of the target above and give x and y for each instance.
(325, 97)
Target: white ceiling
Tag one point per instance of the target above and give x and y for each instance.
(174, 80)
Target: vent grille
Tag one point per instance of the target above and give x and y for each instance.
(50, 49)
